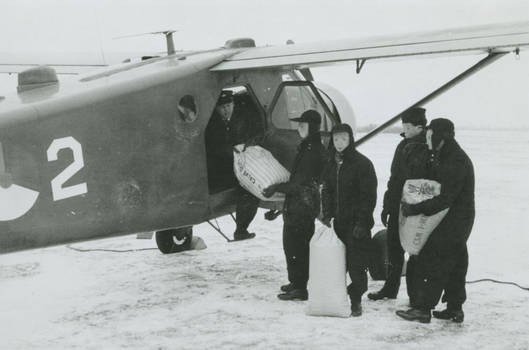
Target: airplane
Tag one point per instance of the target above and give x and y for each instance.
(119, 150)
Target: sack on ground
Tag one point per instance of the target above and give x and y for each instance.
(415, 230)
(256, 169)
(327, 279)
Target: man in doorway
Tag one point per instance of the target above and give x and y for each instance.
(228, 127)
(402, 168)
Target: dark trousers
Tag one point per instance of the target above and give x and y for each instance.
(396, 261)
(357, 257)
(395, 256)
(441, 268)
(455, 292)
(297, 233)
(246, 208)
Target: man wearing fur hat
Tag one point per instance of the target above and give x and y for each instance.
(443, 261)
(403, 167)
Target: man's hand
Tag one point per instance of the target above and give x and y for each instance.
(269, 191)
(408, 209)
(6, 180)
(252, 141)
(384, 217)
(360, 232)
(326, 221)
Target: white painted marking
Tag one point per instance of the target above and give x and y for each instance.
(58, 191)
(16, 201)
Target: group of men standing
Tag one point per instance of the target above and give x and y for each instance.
(348, 185)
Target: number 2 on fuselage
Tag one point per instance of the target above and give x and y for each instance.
(58, 191)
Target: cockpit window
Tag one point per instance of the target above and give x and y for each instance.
(292, 102)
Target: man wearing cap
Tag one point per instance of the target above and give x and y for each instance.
(228, 127)
(443, 261)
(402, 168)
(301, 204)
(349, 196)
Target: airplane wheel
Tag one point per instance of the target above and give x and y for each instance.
(378, 259)
(174, 240)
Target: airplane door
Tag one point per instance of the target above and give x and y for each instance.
(291, 99)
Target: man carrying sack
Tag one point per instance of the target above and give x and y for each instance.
(301, 205)
(230, 126)
(443, 261)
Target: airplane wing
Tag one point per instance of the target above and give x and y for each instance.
(470, 40)
(66, 63)
(63, 69)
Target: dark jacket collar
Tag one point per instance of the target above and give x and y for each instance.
(311, 140)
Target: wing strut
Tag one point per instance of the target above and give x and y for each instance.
(360, 65)
(493, 56)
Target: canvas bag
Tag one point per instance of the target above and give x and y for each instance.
(256, 169)
(327, 279)
(415, 230)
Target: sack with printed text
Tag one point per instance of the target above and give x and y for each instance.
(256, 169)
(415, 230)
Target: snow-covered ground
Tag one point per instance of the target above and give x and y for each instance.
(224, 297)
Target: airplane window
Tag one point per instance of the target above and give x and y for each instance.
(293, 101)
(187, 109)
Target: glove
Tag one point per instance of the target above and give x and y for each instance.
(360, 232)
(252, 141)
(384, 217)
(272, 214)
(269, 191)
(6, 180)
(408, 209)
(326, 221)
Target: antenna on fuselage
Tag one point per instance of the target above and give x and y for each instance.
(168, 38)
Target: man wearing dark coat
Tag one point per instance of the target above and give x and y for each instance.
(349, 196)
(443, 261)
(301, 204)
(229, 126)
(403, 167)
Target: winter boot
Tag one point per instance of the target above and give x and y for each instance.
(239, 236)
(413, 314)
(287, 287)
(356, 309)
(294, 294)
(457, 316)
(381, 294)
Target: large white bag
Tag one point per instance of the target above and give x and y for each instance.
(327, 280)
(415, 230)
(256, 169)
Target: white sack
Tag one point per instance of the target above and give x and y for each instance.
(256, 169)
(327, 280)
(415, 230)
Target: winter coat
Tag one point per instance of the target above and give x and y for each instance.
(222, 136)
(453, 169)
(408, 162)
(302, 189)
(349, 191)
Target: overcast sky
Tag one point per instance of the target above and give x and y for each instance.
(496, 97)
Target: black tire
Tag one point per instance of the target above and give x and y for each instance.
(174, 240)
(378, 257)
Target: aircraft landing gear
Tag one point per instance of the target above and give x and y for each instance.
(174, 240)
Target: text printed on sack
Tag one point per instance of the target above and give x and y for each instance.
(423, 189)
